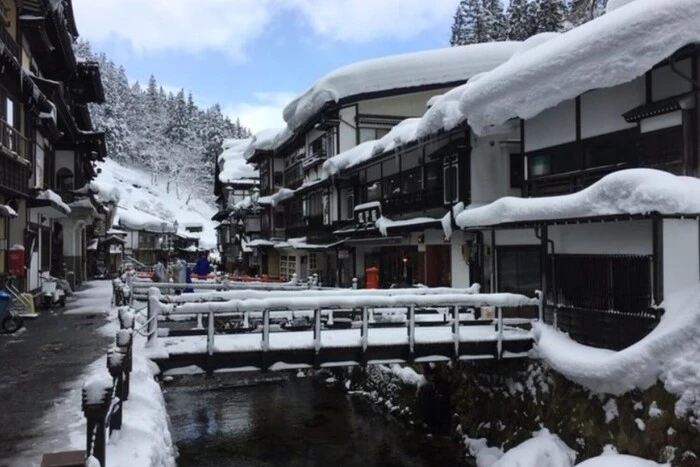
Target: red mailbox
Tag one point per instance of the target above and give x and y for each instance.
(372, 277)
(16, 262)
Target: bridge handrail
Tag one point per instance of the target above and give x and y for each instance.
(266, 306)
(248, 294)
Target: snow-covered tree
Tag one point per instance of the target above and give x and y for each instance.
(520, 19)
(581, 11)
(549, 15)
(477, 21)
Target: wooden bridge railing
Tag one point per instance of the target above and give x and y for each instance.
(103, 398)
(326, 302)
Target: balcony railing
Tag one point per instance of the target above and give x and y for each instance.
(9, 41)
(13, 143)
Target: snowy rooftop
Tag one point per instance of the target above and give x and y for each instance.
(397, 72)
(232, 163)
(633, 191)
(608, 51)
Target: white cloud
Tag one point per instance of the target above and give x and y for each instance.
(175, 25)
(230, 25)
(265, 111)
(367, 20)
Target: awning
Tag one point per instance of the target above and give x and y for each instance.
(49, 204)
(7, 211)
(661, 107)
(114, 240)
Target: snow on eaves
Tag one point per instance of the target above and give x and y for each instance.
(399, 135)
(633, 191)
(432, 67)
(54, 198)
(232, 163)
(608, 51)
(273, 200)
(266, 140)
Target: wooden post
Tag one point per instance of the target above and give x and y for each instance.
(499, 342)
(544, 261)
(266, 330)
(153, 312)
(411, 332)
(210, 344)
(125, 341)
(96, 400)
(365, 328)
(455, 330)
(115, 365)
(317, 330)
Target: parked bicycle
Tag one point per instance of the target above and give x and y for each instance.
(10, 319)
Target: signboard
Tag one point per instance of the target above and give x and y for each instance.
(367, 215)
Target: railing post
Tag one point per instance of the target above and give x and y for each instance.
(365, 328)
(115, 366)
(153, 312)
(266, 330)
(329, 321)
(499, 343)
(455, 330)
(246, 320)
(354, 282)
(96, 400)
(411, 331)
(540, 305)
(210, 334)
(125, 342)
(317, 330)
(200, 324)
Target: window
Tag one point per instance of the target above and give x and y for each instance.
(412, 181)
(373, 192)
(279, 219)
(516, 170)
(313, 263)
(391, 186)
(10, 112)
(433, 181)
(279, 178)
(347, 206)
(318, 146)
(411, 159)
(64, 179)
(369, 134)
(374, 172)
(518, 269)
(313, 206)
(451, 191)
(288, 266)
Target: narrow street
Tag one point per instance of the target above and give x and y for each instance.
(41, 360)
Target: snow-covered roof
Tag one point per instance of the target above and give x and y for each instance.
(54, 198)
(232, 163)
(384, 223)
(397, 72)
(302, 244)
(273, 200)
(133, 219)
(266, 140)
(633, 191)
(608, 51)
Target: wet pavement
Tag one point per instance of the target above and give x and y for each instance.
(38, 363)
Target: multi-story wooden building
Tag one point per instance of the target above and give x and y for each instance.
(47, 143)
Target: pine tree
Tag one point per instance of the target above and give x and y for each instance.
(477, 21)
(549, 15)
(582, 11)
(521, 23)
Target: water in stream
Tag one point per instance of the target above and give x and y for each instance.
(295, 422)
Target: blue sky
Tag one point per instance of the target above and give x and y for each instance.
(253, 56)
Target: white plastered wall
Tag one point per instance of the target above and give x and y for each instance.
(681, 254)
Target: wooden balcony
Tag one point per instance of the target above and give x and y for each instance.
(14, 144)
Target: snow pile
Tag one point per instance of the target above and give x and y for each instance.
(668, 353)
(445, 113)
(273, 200)
(402, 133)
(267, 140)
(608, 51)
(533, 41)
(407, 375)
(633, 191)
(405, 71)
(232, 163)
(544, 449)
(7, 211)
(144, 204)
(610, 458)
(54, 198)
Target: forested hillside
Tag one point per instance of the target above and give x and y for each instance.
(167, 134)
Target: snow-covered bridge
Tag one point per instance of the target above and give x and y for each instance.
(284, 330)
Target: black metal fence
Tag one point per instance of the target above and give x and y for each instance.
(602, 300)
